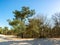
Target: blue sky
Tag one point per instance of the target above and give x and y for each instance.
(48, 7)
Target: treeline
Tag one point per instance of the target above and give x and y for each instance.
(26, 27)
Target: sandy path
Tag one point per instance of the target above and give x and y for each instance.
(7, 41)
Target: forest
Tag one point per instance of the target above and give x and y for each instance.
(25, 25)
